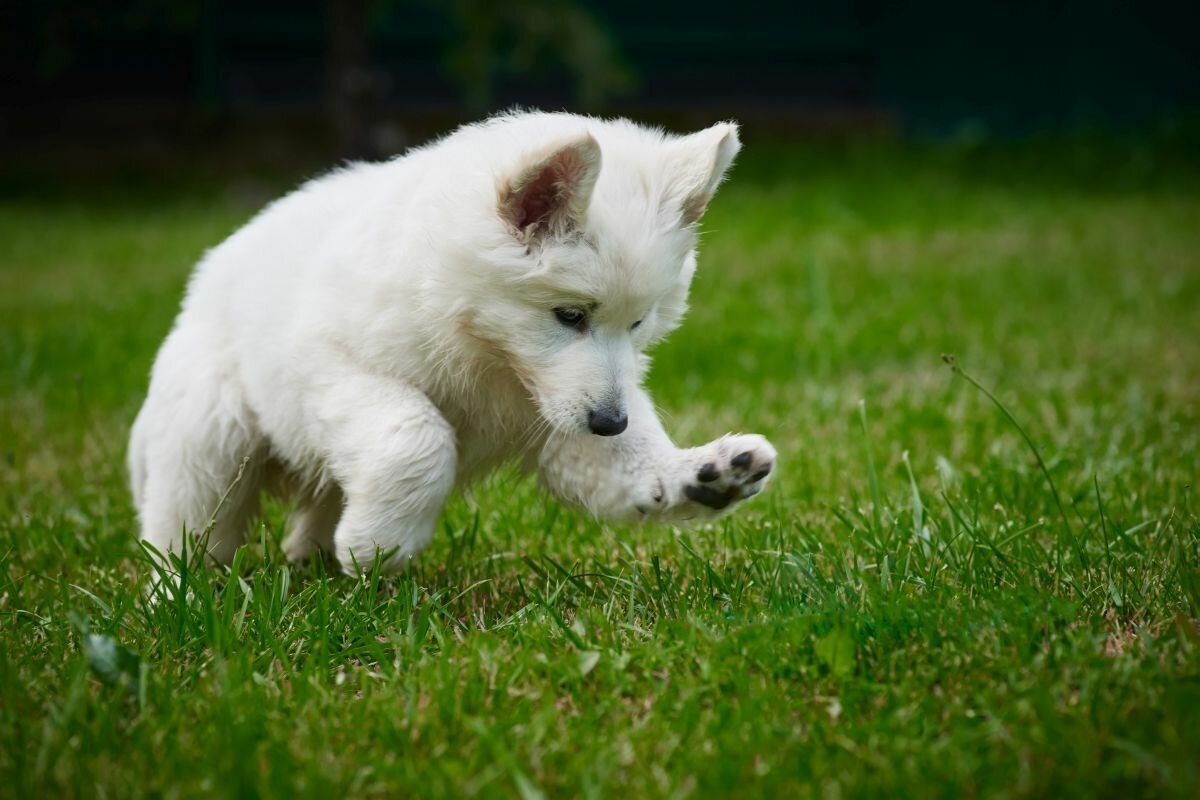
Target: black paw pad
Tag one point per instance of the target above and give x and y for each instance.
(742, 459)
(708, 473)
(762, 473)
(707, 496)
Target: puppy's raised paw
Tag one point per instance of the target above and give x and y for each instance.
(732, 468)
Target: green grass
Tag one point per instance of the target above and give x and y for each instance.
(918, 606)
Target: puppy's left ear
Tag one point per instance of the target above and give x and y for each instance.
(702, 160)
(552, 189)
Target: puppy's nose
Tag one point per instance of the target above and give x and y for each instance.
(607, 421)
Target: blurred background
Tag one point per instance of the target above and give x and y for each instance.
(1015, 183)
(96, 83)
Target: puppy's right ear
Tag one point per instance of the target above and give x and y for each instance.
(551, 191)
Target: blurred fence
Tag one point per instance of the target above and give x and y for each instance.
(928, 67)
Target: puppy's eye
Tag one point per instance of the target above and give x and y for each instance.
(635, 325)
(571, 317)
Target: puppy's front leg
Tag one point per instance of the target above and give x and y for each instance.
(641, 474)
(394, 457)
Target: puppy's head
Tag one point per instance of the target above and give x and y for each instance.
(598, 257)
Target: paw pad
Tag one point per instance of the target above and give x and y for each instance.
(723, 479)
(707, 496)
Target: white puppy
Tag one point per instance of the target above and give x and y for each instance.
(390, 331)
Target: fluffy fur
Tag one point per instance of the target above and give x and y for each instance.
(390, 331)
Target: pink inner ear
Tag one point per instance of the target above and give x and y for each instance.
(540, 198)
(546, 194)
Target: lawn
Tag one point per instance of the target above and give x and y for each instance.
(923, 603)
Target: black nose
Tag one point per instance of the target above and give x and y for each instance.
(607, 422)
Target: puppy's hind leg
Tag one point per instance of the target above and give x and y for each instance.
(312, 524)
(196, 454)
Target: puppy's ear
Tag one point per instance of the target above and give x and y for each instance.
(551, 191)
(702, 160)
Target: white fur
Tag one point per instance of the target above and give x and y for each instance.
(387, 332)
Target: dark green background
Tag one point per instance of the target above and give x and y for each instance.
(927, 68)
